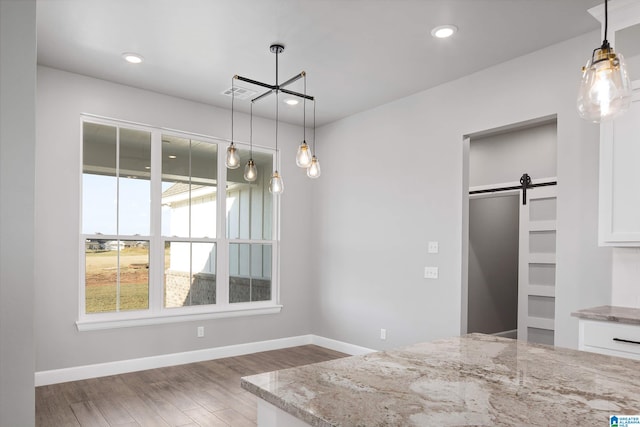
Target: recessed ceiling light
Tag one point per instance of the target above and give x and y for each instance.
(147, 167)
(173, 157)
(133, 58)
(291, 101)
(444, 31)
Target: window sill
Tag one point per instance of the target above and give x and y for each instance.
(95, 325)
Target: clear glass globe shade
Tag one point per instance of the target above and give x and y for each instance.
(605, 89)
(313, 171)
(303, 156)
(250, 171)
(276, 186)
(233, 158)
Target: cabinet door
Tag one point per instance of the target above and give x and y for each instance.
(619, 219)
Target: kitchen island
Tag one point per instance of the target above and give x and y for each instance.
(471, 380)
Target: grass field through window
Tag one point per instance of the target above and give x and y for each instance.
(101, 276)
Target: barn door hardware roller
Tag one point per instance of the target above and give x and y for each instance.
(525, 184)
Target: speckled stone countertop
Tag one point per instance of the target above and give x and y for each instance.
(464, 381)
(610, 313)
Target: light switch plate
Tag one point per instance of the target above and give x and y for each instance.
(431, 272)
(433, 247)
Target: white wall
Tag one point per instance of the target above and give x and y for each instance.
(61, 98)
(393, 180)
(625, 290)
(502, 158)
(17, 146)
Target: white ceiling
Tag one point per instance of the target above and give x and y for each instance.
(357, 53)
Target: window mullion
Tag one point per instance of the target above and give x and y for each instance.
(156, 243)
(118, 218)
(222, 246)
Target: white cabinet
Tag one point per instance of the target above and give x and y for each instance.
(614, 339)
(619, 216)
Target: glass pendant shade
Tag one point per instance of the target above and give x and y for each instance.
(276, 186)
(313, 171)
(250, 171)
(303, 157)
(233, 158)
(605, 89)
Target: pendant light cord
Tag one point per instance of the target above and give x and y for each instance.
(277, 93)
(314, 128)
(251, 133)
(606, 23)
(304, 110)
(233, 96)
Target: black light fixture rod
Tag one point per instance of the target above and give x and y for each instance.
(292, 80)
(277, 52)
(287, 91)
(259, 97)
(257, 83)
(298, 94)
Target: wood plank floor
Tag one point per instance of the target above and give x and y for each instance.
(198, 394)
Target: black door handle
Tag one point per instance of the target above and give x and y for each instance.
(627, 341)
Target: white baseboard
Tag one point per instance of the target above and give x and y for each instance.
(76, 373)
(341, 346)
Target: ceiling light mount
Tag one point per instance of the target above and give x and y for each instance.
(276, 48)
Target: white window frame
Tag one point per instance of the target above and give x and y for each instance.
(157, 313)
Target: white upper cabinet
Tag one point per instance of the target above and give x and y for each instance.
(619, 221)
(619, 198)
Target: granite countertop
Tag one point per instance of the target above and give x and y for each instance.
(464, 381)
(610, 313)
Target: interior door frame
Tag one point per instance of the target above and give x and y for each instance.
(464, 256)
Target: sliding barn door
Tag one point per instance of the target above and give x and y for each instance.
(537, 266)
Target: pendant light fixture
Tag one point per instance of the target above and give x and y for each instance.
(605, 89)
(276, 186)
(313, 171)
(303, 156)
(250, 170)
(233, 158)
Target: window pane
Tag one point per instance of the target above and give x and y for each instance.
(189, 183)
(101, 276)
(134, 275)
(204, 170)
(175, 186)
(99, 182)
(134, 182)
(116, 275)
(249, 272)
(190, 275)
(203, 267)
(249, 205)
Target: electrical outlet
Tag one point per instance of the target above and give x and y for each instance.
(431, 272)
(433, 248)
(200, 331)
(383, 334)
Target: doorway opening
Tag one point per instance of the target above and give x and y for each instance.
(509, 231)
